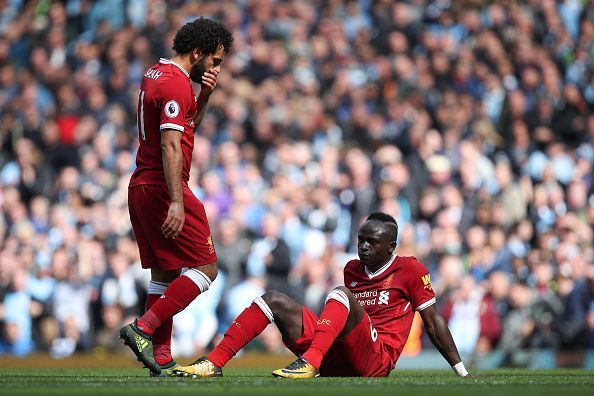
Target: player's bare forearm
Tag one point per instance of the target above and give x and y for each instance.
(440, 335)
(172, 165)
(202, 103)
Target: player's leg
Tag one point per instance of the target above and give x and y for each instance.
(178, 295)
(140, 343)
(272, 306)
(160, 280)
(156, 323)
(340, 315)
(191, 248)
(360, 353)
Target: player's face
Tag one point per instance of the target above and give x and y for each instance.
(198, 69)
(205, 62)
(375, 245)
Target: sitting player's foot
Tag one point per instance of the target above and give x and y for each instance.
(201, 368)
(142, 346)
(300, 368)
(167, 369)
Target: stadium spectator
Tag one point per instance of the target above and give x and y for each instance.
(19, 310)
(71, 299)
(463, 316)
(270, 256)
(233, 248)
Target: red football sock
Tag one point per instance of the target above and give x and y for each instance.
(179, 294)
(251, 322)
(329, 326)
(161, 336)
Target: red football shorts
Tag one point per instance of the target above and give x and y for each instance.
(148, 205)
(355, 355)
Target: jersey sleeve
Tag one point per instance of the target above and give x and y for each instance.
(419, 285)
(347, 275)
(174, 105)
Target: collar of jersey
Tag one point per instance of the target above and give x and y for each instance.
(383, 269)
(170, 62)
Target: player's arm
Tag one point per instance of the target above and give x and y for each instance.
(172, 166)
(440, 335)
(207, 87)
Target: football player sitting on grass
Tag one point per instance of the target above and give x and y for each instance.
(363, 326)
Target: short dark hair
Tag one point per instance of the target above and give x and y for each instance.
(202, 33)
(386, 219)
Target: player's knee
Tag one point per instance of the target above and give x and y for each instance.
(211, 270)
(202, 276)
(164, 276)
(276, 300)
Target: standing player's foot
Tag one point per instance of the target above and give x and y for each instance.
(142, 346)
(166, 369)
(201, 368)
(300, 368)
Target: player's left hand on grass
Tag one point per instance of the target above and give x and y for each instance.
(209, 82)
(474, 376)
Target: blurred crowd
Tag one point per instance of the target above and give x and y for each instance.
(469, 121)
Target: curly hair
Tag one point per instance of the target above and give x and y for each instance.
(202, 33)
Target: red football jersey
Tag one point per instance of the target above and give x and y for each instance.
(390, 296)
(166, 101)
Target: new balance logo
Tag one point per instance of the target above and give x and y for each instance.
(141, 343)
(353, 284)
(383, 298)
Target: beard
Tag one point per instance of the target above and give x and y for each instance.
(198, 69)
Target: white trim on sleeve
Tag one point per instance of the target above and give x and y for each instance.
(426, 304)
(340, 296)
(170, 125)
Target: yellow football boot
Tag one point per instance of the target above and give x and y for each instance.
(298, 369)
(201, 368)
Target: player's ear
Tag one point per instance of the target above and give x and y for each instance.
(392, 246)
(196, 54)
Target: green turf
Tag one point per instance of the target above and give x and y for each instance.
(260, 382)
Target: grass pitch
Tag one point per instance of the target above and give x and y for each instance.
(130, 381)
